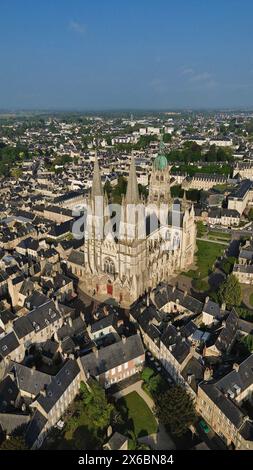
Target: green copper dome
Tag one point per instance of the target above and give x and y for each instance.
(160, 162)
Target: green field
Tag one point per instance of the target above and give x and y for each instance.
(217, 235)
(223, 187)
(206, 255)
(251, 299)
(137, 416)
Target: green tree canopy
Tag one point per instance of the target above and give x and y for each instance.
(166, 138)
(230, 291)
(94, 404)
(250, 214)
(175, 409)
(248, 342)
(14, 443)
(119, 189)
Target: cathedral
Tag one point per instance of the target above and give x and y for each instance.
(148, 248)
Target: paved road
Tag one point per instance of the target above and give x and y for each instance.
(160, 440)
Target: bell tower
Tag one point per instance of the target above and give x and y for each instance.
(159, 184)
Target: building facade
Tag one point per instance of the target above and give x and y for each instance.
(146, 250)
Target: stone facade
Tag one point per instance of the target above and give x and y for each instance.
(127, 267)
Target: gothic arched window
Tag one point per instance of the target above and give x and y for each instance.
(109, 266)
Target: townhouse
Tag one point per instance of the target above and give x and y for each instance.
(114, 363)
(223, 404)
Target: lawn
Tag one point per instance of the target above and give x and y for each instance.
(219, 234)
(206, 255)
(136, 415)
(223, 187)
(251, 299)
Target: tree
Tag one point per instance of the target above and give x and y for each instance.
(193, 195)
(14, 443)
(119, 189)
(227, 264)
(166, 138)
(201, 229)
(108, 188)
(16, 173)
(230, 291)
(146, 374)
(95, 405)
(143, 190)
(248, 342)
(176, 191)
(250, 214)
(175, 409)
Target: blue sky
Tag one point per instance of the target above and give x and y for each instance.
(101, 54)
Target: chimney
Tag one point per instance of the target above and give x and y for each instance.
(189, 378)
(95, 350)
(123, 339)
(223, 307)
(106, 311)
(207, 299)
(208, 373)
(236, 367)
(82, 315)
(173, 288)
(109, 431)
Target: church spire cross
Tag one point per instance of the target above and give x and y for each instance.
(96, 189)
(132, 194)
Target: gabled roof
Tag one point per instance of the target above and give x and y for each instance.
(29, 380)
(58, 385)
(112, 356)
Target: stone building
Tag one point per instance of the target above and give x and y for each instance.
(155, 240)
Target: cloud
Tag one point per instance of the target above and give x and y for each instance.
(77, 27)
(187, 71)
(202, 78)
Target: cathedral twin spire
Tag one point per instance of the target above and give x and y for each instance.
(132, 194)
(97, 189)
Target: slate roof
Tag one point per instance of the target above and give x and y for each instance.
(8, 344)
(193, 373)
(242, 378)
(105, 322)
(178, 346)
(228, 407)
(76, 257)
(116, 441)
(36, 320)
(8, 393)
(212, 308)
(36, 426)
(168, 293)
(58, 385)
(112, 356)
(9, 422)
(29, 380)
(228, 333)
